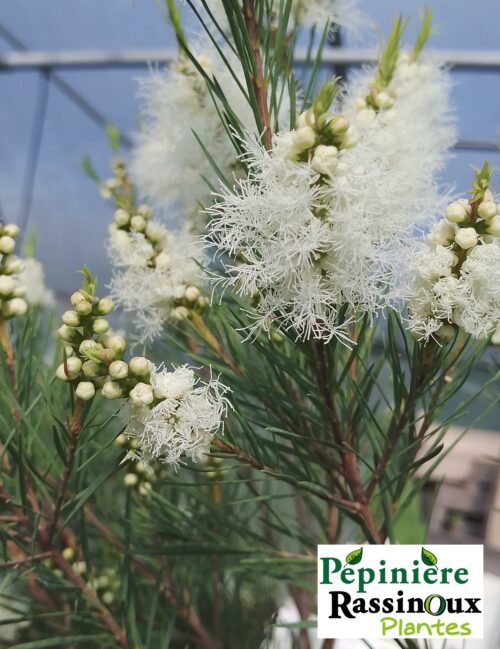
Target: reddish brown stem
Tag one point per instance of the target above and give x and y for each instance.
(259, 84)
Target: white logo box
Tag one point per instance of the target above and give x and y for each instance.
(435, 591)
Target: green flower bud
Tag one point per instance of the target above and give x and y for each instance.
(180, 313)
(68, 554)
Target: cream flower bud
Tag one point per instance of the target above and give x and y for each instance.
(69, 351)
(19, 291)
(495, 338)
(493, 226)
(71, 318)
(118, 370)
(7, 245)
(488, 195)
(442, 233)
(122, 217)
(80, 567)
(466, 238)
(7, 285)
(446, 332)
(138, 223)
(85, 390)
(15, 307)
(68, 554)
(12, 264)
(11, 230)
(139, 366)
(360, 103)
(105, 305)
(162, 260)
(487, 210)
(325, 159)
(191, 293)
(100, 326)
(130, 479)
(304, 138)
(349, 140)
(71, 370)
(383, 100)
(76, 298)
(154, 231)
(112, 390)
(142, 394)
(117, 344)
(83, 308)
(92, 370)
(68, 334)
(180, 313)
(121, 440)
(456, 212)
(145, 211)
(305, 119)
(108, 598)
(338, 125)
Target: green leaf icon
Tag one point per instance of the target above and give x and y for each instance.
(354, 557)
(428, 558)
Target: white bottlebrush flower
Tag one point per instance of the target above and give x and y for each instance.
(32, 278)
(168, 164)
(303, 248)
(341, 13)
(469, 299)
(184, 421)
(150, 284)
(414, 135)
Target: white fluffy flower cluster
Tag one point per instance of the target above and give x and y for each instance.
(321, 224)
(168, 166)
(32, 278)
(408, 125)
(12, 292)
(341, 13)
(155, 276)
(176, 415)
(307, 13)
(456, 273)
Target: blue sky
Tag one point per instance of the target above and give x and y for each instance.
(68, 215)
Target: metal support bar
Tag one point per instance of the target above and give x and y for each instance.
(477, 60)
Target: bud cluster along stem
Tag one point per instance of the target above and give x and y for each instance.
(133, 222)
(467, 225)
(12, 293)
(93, 359)
(321, 135)
(139, 475)
(394, 68)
